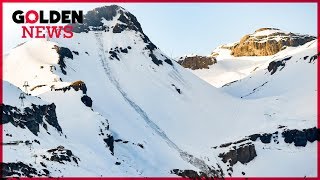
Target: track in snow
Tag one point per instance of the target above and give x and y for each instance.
(184, 155)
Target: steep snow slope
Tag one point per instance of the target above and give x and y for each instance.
(230, 68)
(125, 108)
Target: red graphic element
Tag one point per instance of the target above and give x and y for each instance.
(32, 21)
(160, 1)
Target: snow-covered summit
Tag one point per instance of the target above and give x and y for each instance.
(107, 18)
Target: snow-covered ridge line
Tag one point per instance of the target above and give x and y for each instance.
(126, 109)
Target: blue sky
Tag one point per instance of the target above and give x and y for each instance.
(180, 29)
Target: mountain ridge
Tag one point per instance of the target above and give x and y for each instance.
(146, 116)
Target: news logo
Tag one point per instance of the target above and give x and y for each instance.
(32, 17)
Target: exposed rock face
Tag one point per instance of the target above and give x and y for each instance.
(244, 151)
(63, 52)
(189, 174)
(243, 154)
(60, 155)
(268, 41)
(197, 62)
(31, 117)
(92, 20)
(21, 170)
(77, 85)
(300, 138)
(110, 143)
(274, 65)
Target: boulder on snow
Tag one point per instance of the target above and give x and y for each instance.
(86, 100)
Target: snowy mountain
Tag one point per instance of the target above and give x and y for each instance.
(254, 51)
(108, 102)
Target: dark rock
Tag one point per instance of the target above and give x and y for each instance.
(311, 134)
(231, 157)
(149, 45)
(287, 58)
(243, 154)
(94, 17)
(86, 100)
(118, 28)
(113, 54)
(110, 143)
(31, 117)
(289, 135)
(228, 84)
(125, 50)
(77, 85)
(63, 52)
(61, 155)
(42, 164)
(254, 137)
(246, 153)
(186, 173)
(76, 52)
(265, 138)
(168, 61)
(118, 163)
(155, 59)
(313, 58)
(177, 89)
(141, 145)
(300, 139)
(19, 169)
(197, 62)
(225, 145)
(274, 65)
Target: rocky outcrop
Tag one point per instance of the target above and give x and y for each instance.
(109, 141)
(77, 85)
(197, 62)
(268, 41)
(125, 22)
(274, 65)
(92, 20)
(243, 154)
(189, 174)
(86, 100)
(244, 151)
(31, 117)
(21, 169)
(301, 137)
(60, 155)
(63, 52)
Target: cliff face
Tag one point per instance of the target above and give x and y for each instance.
(197, 62)
(31, 118)
(268, 41)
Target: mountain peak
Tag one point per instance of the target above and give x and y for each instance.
(266, 28)
(268, 41)
(106, 18)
